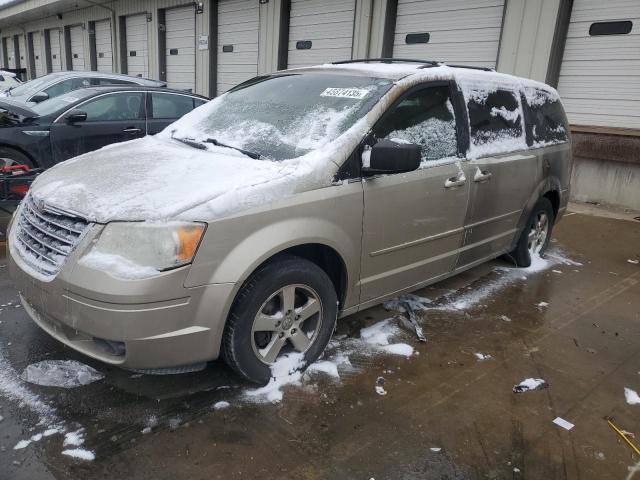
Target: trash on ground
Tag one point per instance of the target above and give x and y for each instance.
(221, 405)
(631, 396)
(380, 386)
(529, 384)
(634, 262)
(561, 422)
(60, 373)
(623, 436)
(482, 356)
(435, 449)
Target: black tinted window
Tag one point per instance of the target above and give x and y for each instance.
(546, 121)
(117, 106)
(424, 118)
(170, 106)
(494, 117)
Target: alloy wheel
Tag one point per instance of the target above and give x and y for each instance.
(538, 234)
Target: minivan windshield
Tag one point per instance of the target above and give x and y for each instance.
(284, 116)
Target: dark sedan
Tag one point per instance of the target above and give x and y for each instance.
(85, 120)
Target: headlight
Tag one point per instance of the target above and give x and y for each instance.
(124, 246)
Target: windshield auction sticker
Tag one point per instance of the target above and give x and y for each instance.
(356, 93)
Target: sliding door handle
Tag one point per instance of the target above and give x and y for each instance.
(481, 176)
(456, 181)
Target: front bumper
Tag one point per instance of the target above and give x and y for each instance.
(142, 324)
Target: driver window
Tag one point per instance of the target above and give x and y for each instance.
(426, 118)
(117, 106)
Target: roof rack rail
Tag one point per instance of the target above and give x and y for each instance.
(431, 63)
(472, 67)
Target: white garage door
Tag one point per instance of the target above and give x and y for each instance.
(455, 31)
(137, 46)
(11, 55)
(76, 37)
(37, 54)
(600, 74)
(55, 52)
(320, 31)
(104, 55)
(23, 51)
(181, 48)
(237, 42)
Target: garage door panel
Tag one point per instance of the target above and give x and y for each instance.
(180, 52)
(37, 53)
(600, 75)
(22, 46)
(462, 31)
(137, 41)
(104, 48)
(55, 43)
(329, 27)
(238, 29)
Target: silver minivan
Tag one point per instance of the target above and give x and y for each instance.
(245, 229)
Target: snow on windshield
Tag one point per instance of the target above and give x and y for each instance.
(285, 116)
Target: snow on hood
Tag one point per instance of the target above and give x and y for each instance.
(159, 179)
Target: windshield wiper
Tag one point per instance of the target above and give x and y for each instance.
(191, 143)
(254, 155)
(200, 145)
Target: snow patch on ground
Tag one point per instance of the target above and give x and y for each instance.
(482, 356)
(60, 373)
(631, 396)
(80, 454)
(74, 438)
(325, 366)
(529, 384)
(378, 335)
(287, 370)
(221, 405)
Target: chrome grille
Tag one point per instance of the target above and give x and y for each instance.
(45, 239)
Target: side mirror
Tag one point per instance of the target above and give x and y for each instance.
(387, 156)
(76, 116)
(40, 97)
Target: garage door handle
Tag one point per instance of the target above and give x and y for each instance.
(456, 181)
(132, 130)
(481, 177)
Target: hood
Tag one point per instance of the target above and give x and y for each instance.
(18, 108)
(161, 179)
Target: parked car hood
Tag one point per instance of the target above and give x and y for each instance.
(18, 108)
(161, 179)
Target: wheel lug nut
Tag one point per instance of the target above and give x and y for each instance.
(293, 330)
(281, 334)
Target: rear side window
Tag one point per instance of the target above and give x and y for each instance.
(495, 121)
(167, 106)
(546, 122)
(426, 118)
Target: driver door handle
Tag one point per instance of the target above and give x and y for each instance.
(456, 181)
(132, 130)
(481, 176)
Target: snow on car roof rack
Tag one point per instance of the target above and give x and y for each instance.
(427, 63)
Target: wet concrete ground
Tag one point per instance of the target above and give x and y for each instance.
(585, 344)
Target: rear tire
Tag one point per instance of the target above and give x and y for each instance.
(10, 156)
(536, 235)
(288, 305)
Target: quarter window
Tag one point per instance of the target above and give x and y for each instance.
(117, 106)
(494, 119)
(424, 118)
(169, 106)
(546, 122)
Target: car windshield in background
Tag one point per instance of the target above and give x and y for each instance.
(59, 103)
(31, 86)
(286, 116)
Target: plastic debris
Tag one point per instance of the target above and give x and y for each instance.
(60, 373)
(624, 437)
(631, 396)
(561, 422)
(633, 262)
(380, 386)
(529, 384)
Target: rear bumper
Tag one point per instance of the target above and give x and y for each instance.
(142, 324)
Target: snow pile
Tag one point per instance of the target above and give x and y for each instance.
(325, 366)
(60, 373)
(221, 405)
(80, 454)
(529, 384)
(74, 438)
(631, 396)
(117, 265)
(287, 370)
(378, 335)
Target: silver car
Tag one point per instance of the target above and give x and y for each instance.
(55, 84)
(245, 229)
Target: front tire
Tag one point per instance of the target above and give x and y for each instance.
(10, 157)
(536, 235)
(288, 305)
